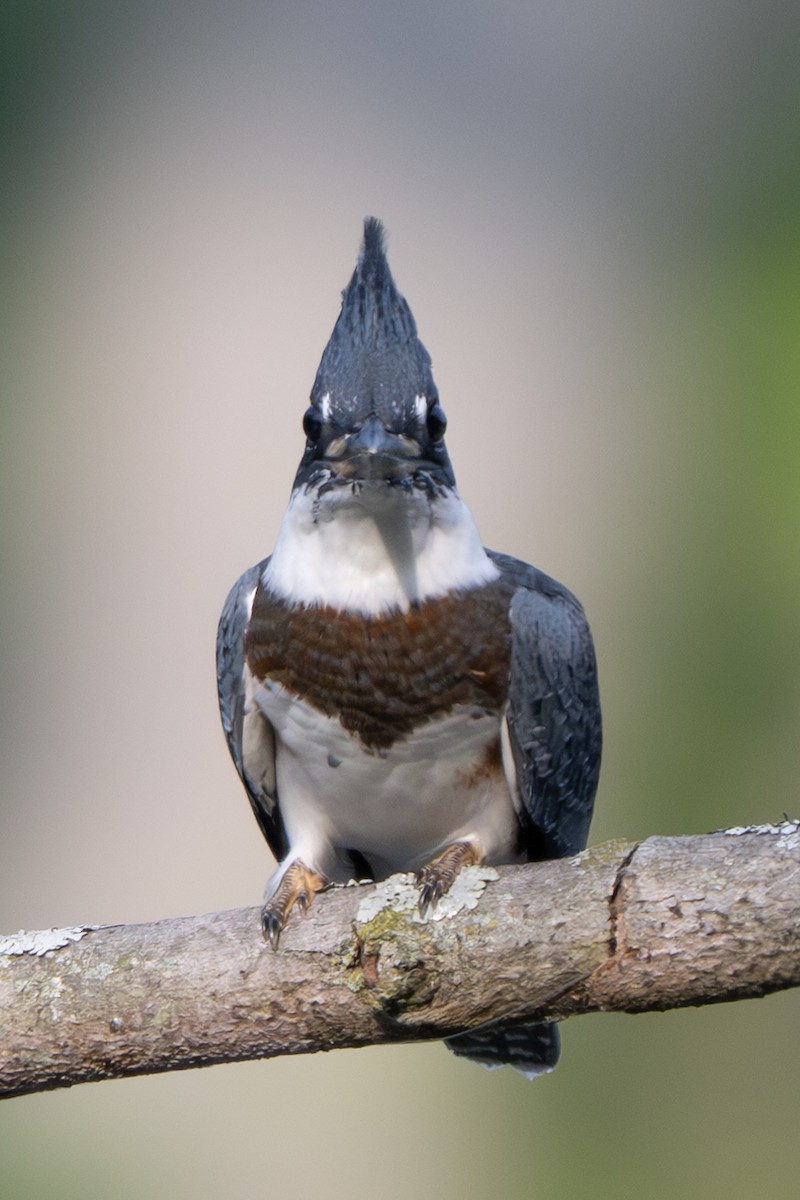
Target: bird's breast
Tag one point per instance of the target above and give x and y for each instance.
(386, 676)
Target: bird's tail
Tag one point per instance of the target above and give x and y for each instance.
(531, 1049)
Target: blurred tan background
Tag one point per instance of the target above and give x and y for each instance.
(593, 211)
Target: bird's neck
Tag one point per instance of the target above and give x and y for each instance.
(376, 553)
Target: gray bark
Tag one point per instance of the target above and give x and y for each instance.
(623, 927)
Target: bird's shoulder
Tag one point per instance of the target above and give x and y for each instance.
(231, 631)
(518, 574)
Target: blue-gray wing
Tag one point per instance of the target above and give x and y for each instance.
(250, 737)
(553, 711)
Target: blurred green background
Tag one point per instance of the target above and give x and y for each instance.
(593, 210)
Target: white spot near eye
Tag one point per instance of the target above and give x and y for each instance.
(420, 406)
(325, 406)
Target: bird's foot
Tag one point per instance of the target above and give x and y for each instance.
(438, 876)
(296, 888)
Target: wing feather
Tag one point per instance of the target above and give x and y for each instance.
(250, 737)
(553, 712)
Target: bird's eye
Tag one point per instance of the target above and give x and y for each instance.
(312, 424)
(436, 421)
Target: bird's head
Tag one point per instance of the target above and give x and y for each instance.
(375, 523)
(374, 421)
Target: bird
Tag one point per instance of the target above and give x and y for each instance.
(396, 697)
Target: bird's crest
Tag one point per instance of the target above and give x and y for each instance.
(374, 363)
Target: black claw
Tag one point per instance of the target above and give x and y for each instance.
(271, 926)
(429, 896)
(438, 876)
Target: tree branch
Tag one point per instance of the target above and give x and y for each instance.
(623, 927)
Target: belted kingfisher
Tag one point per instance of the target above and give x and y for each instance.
(395, 697)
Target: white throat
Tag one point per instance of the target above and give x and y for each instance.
(376, 551)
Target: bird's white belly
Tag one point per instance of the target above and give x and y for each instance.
(397, 807)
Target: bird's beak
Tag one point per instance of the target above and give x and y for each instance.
(373, 451)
